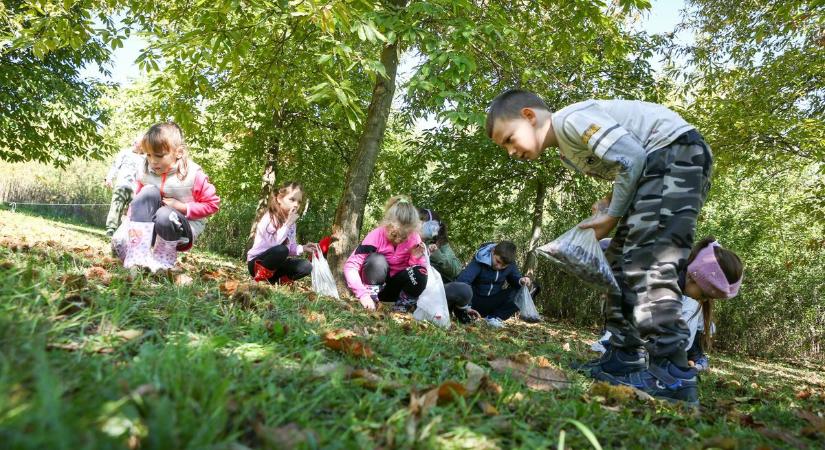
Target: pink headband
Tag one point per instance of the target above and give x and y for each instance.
(710, 277)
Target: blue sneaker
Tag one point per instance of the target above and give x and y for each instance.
(615, 361)
(665, 381)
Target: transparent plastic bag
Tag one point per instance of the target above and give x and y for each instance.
(527, 309)
(577, 252)
(120, 239)
(322, 281)
(432, 303)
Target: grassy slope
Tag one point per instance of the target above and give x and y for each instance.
(158, 364)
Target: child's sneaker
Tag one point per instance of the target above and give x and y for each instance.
(405, 303)
(666, 381)
(615, 361)
(495, 322)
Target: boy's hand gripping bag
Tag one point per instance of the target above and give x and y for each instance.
(527, 309)
(432, 303)
(322, 281)
(577, 252)
(120, 238)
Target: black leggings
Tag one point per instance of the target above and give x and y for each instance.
(411, 280)
(170, 224)
(277, 260)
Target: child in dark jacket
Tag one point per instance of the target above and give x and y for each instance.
(492, 265)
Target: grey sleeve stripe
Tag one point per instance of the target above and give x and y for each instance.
(599, 140)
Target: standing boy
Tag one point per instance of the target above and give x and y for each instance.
(660, 167)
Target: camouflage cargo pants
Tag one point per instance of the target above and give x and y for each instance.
(651, 246)
(121, 197)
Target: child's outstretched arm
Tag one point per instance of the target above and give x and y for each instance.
(206, 200)
(469, 274)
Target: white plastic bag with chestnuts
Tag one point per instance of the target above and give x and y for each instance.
(577, 252)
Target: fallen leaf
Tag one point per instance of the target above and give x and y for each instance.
(316, 317)
(228, 287)
(721, 442)
(6, 265)
(817, 423)
(613, 394)
(488, 409)
(475, 376)
(74, 281)
(780, 435)
(128, 335)
(566, 346)
(182, 279)
(344, 341)
(537, 378)
(804, 394)
(285, 437)
(212, 275)
(450, 390)
(100, 274)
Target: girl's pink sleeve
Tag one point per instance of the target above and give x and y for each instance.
(416, 261)
(352, 268)
(206, 200)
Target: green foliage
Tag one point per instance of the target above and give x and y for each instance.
(48, 112)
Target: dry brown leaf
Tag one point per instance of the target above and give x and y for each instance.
(488, 409)
(212, 275)
(345, 341)
(228, 287)
(537, 378)
(6, 265)
(128, 335)
(74, 281)
(100, 274)
(721, 442)
(781, 435)
(182, 279)
(450, 390)
(316, 317)
(804, 394)
(285, 437)
(475, 377)
(817, 423)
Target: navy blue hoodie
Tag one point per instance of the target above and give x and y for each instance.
(485, 280)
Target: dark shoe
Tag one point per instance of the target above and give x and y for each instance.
(404, 304)
(615, 361)
(665, 381)
(462, 317)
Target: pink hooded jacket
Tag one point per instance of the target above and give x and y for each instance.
(398, 257)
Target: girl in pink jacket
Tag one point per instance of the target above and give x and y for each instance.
(389, 265)
(273, 254)
(172, 201)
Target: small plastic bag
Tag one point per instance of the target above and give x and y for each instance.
(577, 252)
(120, 239)
(527, 309)
(322, 281)
(432, 303)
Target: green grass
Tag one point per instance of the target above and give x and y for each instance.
(145, 361)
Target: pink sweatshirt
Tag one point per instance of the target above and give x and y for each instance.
(398, 257)
(268, 236)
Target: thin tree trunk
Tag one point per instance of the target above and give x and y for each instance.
(350, 213)
(538, 214)
(270, 173)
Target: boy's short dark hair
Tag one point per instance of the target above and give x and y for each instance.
(506, 250)
(508, 105)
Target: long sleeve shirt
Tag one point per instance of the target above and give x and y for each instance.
(399, 257)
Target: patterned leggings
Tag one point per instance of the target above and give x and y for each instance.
(121, 196)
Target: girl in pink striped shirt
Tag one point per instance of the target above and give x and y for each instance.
(389, 265)
(273, 254)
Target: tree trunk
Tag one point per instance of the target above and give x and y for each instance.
(538, 214)
(270, 174)
(350, 213)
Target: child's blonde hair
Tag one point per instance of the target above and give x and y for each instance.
(167, 137)
(278, 215)
(401, 215)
